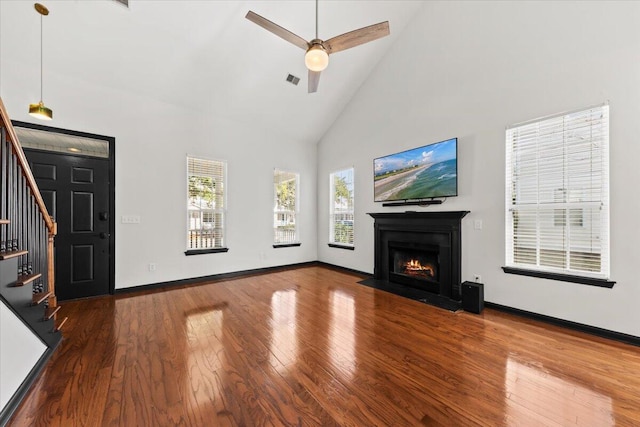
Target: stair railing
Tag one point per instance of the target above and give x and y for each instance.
(30, 227)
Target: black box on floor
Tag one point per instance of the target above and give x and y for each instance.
(473, 297)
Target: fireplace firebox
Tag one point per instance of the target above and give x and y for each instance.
(415, 265)
(421, 251)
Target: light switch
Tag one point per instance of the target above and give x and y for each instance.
(477, 224)
(131, 219)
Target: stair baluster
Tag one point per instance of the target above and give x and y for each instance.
(26, 234)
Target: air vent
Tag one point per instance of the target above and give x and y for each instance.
(123, 2)
(293, 79)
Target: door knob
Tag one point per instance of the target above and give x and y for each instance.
(104, 235)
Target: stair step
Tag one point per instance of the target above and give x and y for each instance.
(50, 312)
(40, 297)
(4, 222)
(60, 324)
(27, 278)
(11, 254)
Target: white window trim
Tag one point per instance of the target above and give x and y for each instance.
(296, 211)
(599, 278)
(332, 242)
(223, 211)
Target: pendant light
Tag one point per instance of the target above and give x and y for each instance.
(39, 110)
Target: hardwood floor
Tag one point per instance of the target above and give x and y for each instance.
(312, 347)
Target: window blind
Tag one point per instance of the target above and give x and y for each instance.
(206, 203)
(285, 207)
(341, 224)
(557, 194)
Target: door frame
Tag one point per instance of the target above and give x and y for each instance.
(112, 185)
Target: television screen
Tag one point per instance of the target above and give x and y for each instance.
(422, 173)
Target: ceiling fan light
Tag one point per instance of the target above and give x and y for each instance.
(316, 58)
(39, 111)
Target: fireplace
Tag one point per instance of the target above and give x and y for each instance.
(420, 251)
(415, 265)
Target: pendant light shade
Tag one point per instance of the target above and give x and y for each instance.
(39, 110)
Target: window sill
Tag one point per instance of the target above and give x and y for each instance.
(206, 251)
(286, 245)
(334, 245)
(603, 283)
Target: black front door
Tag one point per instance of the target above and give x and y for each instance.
(75, 190)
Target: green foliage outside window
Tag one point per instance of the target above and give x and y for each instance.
(286, 195)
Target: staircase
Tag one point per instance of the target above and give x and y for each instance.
(27, 279)
(23, 293)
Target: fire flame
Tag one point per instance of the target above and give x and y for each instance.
(414, 265)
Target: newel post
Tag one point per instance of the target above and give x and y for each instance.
(51, 276)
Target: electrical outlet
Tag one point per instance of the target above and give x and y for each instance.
(477, 278)
(153, 266)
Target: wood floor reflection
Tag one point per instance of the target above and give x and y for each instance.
(312, 347)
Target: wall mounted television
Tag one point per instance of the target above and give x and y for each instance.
(421, 173)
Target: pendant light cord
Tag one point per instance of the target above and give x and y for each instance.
(316, 18)
(41, 37)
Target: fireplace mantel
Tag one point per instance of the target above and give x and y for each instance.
(435, 215)
(441, 228)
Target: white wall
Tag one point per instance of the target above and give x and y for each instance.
(20, 350)
(153, 139)
(464, 69)
(468, 70)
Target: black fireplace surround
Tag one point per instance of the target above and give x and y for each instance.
(419, 253)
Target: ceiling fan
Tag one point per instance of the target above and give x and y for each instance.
(317, 53)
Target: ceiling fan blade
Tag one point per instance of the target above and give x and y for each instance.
(314, 79)
(357, 37)
(278, 30)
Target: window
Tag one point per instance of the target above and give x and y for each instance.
(341, 206)
(285, 208)
(206, 205)
(557, 196)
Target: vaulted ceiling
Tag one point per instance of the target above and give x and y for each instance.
(204, 54)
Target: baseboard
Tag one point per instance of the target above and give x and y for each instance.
(19, 395)
(237, 274)
(214, 277)
(592, 330)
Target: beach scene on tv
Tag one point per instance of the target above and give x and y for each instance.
(421, 173)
